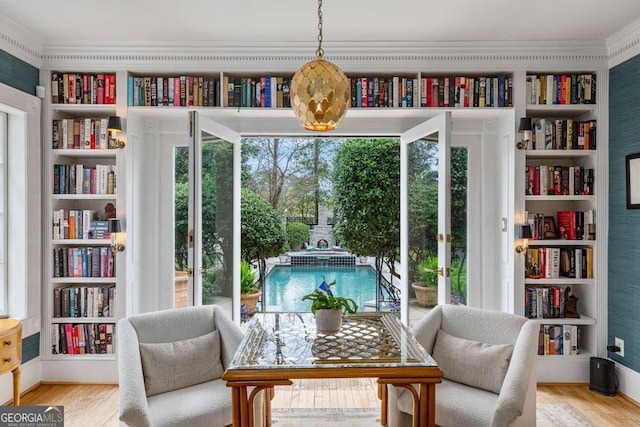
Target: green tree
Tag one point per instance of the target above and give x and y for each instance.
(261, 233)
(293, 174)
(366, 189)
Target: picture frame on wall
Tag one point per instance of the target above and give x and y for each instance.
(633, 181)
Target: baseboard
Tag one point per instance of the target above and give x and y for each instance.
(29, 379)
(629, 382)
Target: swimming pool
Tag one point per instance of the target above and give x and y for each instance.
(285, 286)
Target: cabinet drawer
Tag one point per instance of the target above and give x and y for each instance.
(10, 345)
(9, 358)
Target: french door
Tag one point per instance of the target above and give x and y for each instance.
(214, 215)
(425, 153)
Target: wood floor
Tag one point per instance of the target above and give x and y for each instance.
(97, 405)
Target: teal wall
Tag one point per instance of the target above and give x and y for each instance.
(624, 224)
(18, 74)
(22, 76)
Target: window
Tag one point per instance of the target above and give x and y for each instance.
(3, 216)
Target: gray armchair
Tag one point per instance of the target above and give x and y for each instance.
(489, 363)
(170, 365)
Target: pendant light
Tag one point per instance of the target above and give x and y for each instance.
(319, 91)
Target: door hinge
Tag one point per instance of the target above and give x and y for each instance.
(190, 272)
(191, 238)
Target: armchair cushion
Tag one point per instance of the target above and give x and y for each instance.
(473, 363)
(163, 364)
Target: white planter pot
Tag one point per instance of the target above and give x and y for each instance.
(328, 321)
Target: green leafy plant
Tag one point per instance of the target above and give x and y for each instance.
(324, 300)
(428, 271)
(298, 232)
(248, 280)
(285, 248)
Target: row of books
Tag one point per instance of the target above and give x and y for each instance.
(563, 134)
(461, 91)
(79, 224)
(262, 92)
(83, 179)
(572, 225)
(83, 338)
(544, 302)
(559, 340)
(96, 261)
(84, 133)
(84, 301)
(83, 88)
(555, 263)
(555, 180)
(561, 89)
(178, 91)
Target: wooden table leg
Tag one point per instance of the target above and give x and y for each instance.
(16, 386)
(235, 407)
(269, 394)
(384, 401)
(425, 412)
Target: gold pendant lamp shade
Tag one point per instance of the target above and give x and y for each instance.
(320, 91)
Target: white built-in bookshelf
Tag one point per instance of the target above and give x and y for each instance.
(503, 101)
(81, 292)
(561, 191)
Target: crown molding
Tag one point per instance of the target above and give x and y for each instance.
(624, 44)
(20, 42)
(351, 56)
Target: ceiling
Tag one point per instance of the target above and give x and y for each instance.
(202, 21)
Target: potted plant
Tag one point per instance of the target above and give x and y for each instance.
(298, 233)
(329, 308)
(284, 255)
(249, 292)
(426, 287)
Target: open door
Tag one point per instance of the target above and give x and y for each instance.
(425, 165)
(214, 215)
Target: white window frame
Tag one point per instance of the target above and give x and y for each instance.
(23, 199)
(4, 290)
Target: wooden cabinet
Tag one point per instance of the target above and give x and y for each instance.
(11, 353)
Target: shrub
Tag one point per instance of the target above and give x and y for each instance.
(298, 232)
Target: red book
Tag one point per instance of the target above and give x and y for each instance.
(100, 89)
(112, 89)
(567, 225)
(68, 335)
(365, 91)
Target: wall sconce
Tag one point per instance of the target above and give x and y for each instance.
(114, 230)
(523, 231)
(526, 130)
(115, 125)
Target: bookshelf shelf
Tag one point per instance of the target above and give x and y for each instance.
(90, 242)
(560, 198)
(84, 153)
(583, 320)
(84, 320)
(561, 281)
(84, 196)
(557, 242)
(559, 154)
(77, 280)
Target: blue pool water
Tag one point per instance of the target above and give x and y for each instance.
(285, 286)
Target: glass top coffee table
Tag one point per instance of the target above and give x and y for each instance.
(279, 347)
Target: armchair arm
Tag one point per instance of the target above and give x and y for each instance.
(134, 410)
(426, 329)
(230, 336)
(520, 378)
